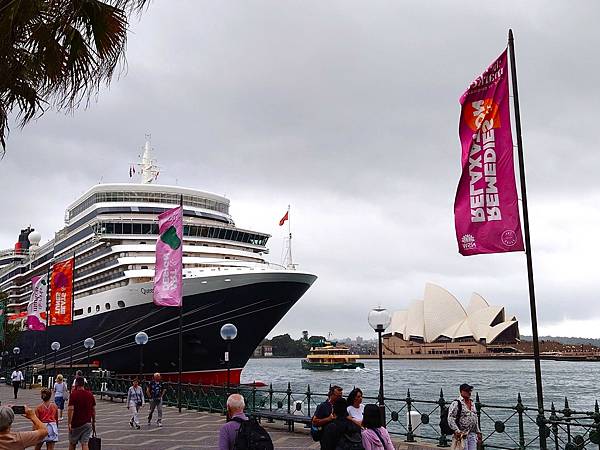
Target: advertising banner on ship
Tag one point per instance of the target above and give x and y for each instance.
(61, 293)
(486, 209)
(168, 278)
(36, 308)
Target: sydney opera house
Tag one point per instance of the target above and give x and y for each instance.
(439, 326)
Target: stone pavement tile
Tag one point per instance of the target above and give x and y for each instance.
(185, 431)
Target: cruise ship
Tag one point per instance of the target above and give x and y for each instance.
(111, 230)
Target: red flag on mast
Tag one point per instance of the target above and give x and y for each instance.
(284, 218)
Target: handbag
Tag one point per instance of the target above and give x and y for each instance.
(95, 443)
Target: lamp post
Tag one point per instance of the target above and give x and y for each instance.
(16, 352)
(141, 339)
(379, 319)
(89, 345)
(228, 333)
(55, 346)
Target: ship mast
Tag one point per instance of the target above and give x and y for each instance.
(148, 167)
(287, 259)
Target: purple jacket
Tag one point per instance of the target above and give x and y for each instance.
(229, 431)
(372, 442)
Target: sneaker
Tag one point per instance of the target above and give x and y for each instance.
(149, 420)
(137, 426)
(131, 423)
(159, 424)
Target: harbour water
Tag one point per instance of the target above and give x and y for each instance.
(497, 382)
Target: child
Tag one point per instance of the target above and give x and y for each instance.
(135, 400)
(48, 414)
(60, 390)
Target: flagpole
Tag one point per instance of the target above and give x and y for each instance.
(180, 319)
(290, 261)
(48, 285)
(532, 306)
(72, 312)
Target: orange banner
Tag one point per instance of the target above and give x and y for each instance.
(61, 293)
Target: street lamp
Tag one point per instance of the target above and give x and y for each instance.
(228, 333)
(16, 352)
(379, 319)
(141, 339)
(55, 346)
(89, 345)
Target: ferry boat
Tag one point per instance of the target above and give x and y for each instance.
(330, 356)
(111, 231)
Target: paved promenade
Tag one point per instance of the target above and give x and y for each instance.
(188, 430)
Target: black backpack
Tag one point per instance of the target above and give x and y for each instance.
(251, 436)
(351, 441)
(444, 426)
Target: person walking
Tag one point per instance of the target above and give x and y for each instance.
(48, 414)
(18, 440)
(462, 419)
(156, 392)
(135, 400)
(324, 413)
(60, 392)
(355, 406)
(81, 415)
(16, 377)
(374, 435)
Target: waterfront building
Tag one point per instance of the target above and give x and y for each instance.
(438, 326)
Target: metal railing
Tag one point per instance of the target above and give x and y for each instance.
(509, 426)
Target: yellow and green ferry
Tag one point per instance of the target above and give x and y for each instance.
(330, 356)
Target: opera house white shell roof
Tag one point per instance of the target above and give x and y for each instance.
(441, 317)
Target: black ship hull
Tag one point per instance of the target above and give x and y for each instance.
(254, 303)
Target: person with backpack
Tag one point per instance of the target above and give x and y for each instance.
(341, 433)
(462, 419)
(242, 432)
(374, 435)
(324, 413)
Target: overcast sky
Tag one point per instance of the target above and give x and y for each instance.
(348, 111)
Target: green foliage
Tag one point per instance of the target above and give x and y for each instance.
(285, 346)
(56, 53)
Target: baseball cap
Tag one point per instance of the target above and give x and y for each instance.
(465, 387)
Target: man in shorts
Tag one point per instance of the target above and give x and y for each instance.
(81, 415)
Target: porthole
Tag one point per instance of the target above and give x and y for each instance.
(97, 308)
(107, 306)
(89, 309)
(121, 304)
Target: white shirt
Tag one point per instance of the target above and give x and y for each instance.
(356, 413)
(17, 375)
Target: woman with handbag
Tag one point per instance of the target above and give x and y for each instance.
(135, 400)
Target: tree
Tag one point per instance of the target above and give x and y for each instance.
(57, 53)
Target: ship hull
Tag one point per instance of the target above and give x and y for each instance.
(253, 302)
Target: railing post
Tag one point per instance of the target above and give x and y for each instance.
(567, 414)
(270, 419)
(478, 409)
(289, 398)
(409, 436)
(443, 441)
(597, 421)
(308, 398)
(554, 426)
(254, 396)
(520, 409)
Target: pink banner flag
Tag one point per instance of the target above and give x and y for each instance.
(36, 308)
(168, 272)
(486, 208)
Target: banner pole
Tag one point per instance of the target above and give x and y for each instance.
(180, 320)
(48, 292)
(532, 306)
(72, 316)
